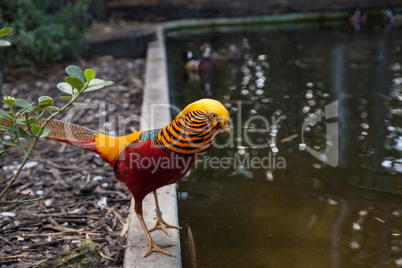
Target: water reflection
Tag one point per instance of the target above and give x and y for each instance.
(275, 204)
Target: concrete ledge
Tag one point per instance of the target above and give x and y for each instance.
(155, 114)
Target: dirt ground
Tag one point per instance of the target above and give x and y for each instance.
(82, 197)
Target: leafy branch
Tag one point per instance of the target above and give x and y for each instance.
(25, 120)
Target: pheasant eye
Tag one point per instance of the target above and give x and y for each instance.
(214, 116)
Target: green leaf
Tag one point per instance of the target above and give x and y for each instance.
(23, 121)
(4, 43)
(76, 72)
(38, 108)
(11, 133)
(89, 74)
(96, 84)
(10, 102)
(45, 132)
(52, 108)
(45, 100)
(4, 115)
(80, 103)
(32, 121)
(23, 134)
(5, 31)
(75, 82)
(23, 104)
(66, 98)
(65, 87)
(35, 130)
(10, 143)
(3, 128)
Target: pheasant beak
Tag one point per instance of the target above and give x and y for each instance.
(224, 124)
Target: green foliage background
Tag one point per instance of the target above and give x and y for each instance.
(41, 32)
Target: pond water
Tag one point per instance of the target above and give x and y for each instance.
(311, 174)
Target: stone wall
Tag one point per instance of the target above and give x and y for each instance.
(160, 10)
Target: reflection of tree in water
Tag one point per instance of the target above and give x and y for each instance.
(393, 141)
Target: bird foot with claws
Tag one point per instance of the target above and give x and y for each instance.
(152, 247)
(161, 224)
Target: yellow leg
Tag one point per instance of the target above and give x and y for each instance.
(152, 247)
(160, 223)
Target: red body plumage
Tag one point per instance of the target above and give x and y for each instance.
(145, 167)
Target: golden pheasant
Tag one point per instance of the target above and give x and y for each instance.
(171, 151)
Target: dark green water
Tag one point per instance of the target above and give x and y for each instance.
(263, 199)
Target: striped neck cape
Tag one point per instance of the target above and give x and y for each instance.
(187, 134)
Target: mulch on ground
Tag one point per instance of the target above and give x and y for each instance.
(82, 197)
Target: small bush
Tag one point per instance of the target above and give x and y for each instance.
(41, 34)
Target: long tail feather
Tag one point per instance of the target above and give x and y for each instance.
(67, 132)
(109, 148)
(72, 134)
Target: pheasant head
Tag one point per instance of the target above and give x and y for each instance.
(195, 128)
